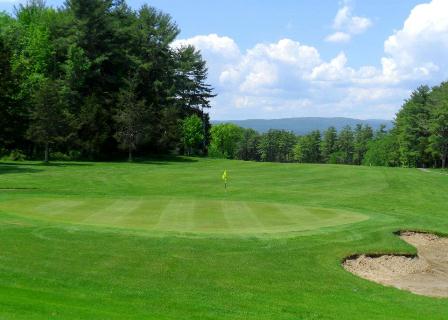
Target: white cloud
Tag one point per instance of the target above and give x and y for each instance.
(223, 46)
(262, 74)
(288, 51)
(347, 25)
(258, 69)
(333, 70)
(288, 78)
(338, 37)
(419, 49)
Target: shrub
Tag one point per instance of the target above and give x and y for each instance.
(59, 156)
(15, 155)
(74, 155)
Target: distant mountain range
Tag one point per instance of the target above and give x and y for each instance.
(305, 125)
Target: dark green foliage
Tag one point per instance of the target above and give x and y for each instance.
(346, 145)
(329, 143)
(412, 129)
(382, 151)
(88, 49)
(277, 145)
(308, 148)
(248, 146)
(363, 135)
(438, 127)
(132, 119)
(12, 115)
(50, 120)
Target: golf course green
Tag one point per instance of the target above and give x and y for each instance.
(181, 215)
(163, 239)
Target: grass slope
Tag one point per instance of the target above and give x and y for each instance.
(162, 240)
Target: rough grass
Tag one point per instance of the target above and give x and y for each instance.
(109, 240)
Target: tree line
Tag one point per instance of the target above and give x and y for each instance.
(348, 146)
(96, 79)
(419, 138)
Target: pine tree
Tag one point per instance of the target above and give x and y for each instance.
(132, 118)
(412, 128)
(438, 127)
(329, 143)
(50, 119)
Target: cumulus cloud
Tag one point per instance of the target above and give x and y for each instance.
(347, 25)
(289, 78)
(338, 37)
(259, 68)
(218, 51)
(420, 47)
(212, 43)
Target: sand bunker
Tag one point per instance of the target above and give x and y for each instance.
(426, 274)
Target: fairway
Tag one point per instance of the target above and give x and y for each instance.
(163, 239)
(180, 215)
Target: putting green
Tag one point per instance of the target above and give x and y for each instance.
(182, 215)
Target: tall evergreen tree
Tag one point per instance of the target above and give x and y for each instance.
(363, 135)
(438, 127)
(248, 146)
(13, 115)
(50, 120)
(329, 143)
(307, 149)
(277, 146)
(412, 128)
(132, 119)
(346, 145)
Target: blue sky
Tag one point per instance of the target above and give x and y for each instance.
(288, 58)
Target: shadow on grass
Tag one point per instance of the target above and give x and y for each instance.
(16, 167)
(46, 164)
(6, 168)
(165, 160)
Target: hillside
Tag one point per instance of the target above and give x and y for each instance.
(306, 124)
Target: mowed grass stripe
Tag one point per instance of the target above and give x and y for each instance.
(104, 215)
(177, 216)
(209, 217)
(56, 207)
(277, 216)
(131, 207)
(146, 215)
(241, 217)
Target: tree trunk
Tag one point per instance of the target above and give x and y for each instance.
(130, 154)
(444, 161)
(47, 151)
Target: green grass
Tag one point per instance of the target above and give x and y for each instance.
(183, 216)
(163, 240)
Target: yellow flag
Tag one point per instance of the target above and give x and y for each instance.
(224, 176)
